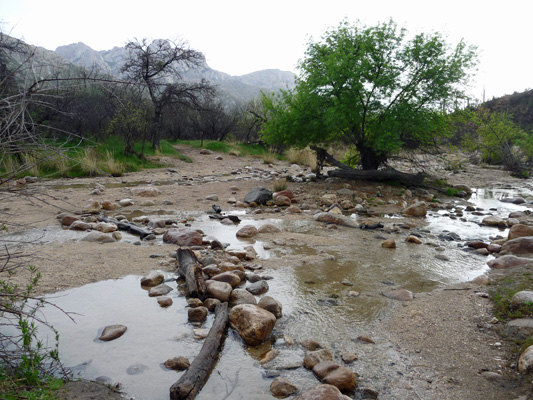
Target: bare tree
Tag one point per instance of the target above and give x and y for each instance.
(159, 66)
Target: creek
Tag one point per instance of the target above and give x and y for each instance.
(313, 294)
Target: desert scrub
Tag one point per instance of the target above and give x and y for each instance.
(305, 157)
(280, 184)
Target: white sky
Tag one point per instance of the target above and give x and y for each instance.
(243, 36)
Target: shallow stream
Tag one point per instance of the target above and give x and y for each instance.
(314, 295)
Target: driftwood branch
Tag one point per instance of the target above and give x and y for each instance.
(192, 381)
(188, 268)
(127, 226)
(378, 175)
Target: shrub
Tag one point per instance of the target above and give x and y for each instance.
(280, 184)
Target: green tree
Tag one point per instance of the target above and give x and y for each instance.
(372, 89)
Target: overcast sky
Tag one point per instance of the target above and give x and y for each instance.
(243, 36)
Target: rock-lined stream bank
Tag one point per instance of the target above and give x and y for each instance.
(329, 277)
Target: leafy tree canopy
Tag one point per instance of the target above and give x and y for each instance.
(371, 88)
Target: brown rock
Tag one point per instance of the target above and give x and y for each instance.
(418, 209)
(518, 246)
(399, 294)
(287, 193)
(413, 239)
(241, 296)
(228, 277)
(152, 279)
(247, 231)
(252, 323)
(164, 301)
(268, 228)
(310, 344)
(476, 244)
(211, 304)
(218, 290)
(67, 220)
(520, 230)
(508, 261)
(281, 387)
(197, 314)
(366, 339)
(270, 304)
(323, 392)
(178, 363)
(282, 201)
(494, 220)
(183, 237)
(145, 191)
(112, 332)
(349, 358)
(388, 244)
(80, 226)
(293, 210)
(337, 375)
(314, 357)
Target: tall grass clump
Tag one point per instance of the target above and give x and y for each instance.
(280, 184)
(112, 165)
(89, 162)
(305, 157)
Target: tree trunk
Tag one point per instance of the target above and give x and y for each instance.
(192, 381)
(188, 267)
(378, 175)
(370, 159)
(126, 226)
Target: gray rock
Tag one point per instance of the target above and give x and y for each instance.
(399, 294)
(159, 290)
(523, 297)
(525, 362)
(518, 246)
(333, 218)
(258, 288)
(98, 237)
(152, 279)
(270, 304)
(241, 296)
(513, 200)
(258, 195)
(219, 290)
(519, 329)
(508, 261)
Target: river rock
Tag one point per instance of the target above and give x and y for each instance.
(508, 261)
(125, 202)
(258, 288)
(311, 345)
(418, 209)
(314, 357)
(494, 248)
(519, 329)
(513, 200)
(112, 332)
(349, 358)
(413, 239)
(197, 314)
(518, 246)
(218, 290)
(98, 237)
(282, 201)
(145, 191)
(228, 277)
(478, 244)
(388, 244)
(247, 231)
(154, 278)
(211, 270)
(79, 225)
(293, 210)
(118, 236)
(164, 301)
(520, 230)
(211, 304)
(337, 375)
(252, 323)
(268, 228)
(183, 237)
(399, 294)
(323, 392)
(494, 220)
(212, 197)
(178, 363)
(521, 298)
(109, 205)
(463, 188)
(159, 290)
(332, 218)
(270, 304)
(328, 199)
(281, 387)
(258, 195)
(106, 227)
(241, 296)
(525, 362)
(67, 220)
(194, 302)
(482, 280)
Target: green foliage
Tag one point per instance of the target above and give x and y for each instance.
(451, 192)
(229, 147)
(370, 88)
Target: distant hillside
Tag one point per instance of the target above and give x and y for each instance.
(519, 105)
(233, 89)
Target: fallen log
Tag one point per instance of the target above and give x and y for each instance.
(126, 226)
(188, 268)
(378, 175)
(192, 381)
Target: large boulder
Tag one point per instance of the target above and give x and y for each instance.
(337, 375)
(519, 329)
(323, 392)
(520, 230)
(418, 209)
(258, 195)
(518, 246)
(508, 261)
(522, 298)
(183, 237)
(252, 323)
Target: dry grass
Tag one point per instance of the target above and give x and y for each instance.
(305, 157)
(111, 165)
(89, 162)
(280, 184)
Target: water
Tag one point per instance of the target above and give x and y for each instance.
(311, 281)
